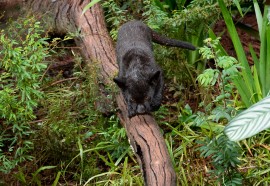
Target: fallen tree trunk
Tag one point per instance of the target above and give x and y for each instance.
(96, 46)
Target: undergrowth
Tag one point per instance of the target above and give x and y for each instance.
(22, 53)
(52, 128)
(53, 132)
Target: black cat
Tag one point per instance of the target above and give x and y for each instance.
(140, 78)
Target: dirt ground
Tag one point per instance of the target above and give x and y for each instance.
(249, 20)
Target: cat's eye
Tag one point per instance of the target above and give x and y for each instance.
(146, 97)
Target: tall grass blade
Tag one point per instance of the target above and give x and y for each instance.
(241, 87)
(257, 84)
(106, 145)
(264, 55)
(256, 71)
(267, 51)
(263, 51)
(246, 79)
(81, 156)
(20, 176)
(55, 182)
(121, 157)
(100, 175)
(92, 3)
(197, 41)
(258, 15)
(250, 122)
(254, 57)
(35, 178)
(236, 2)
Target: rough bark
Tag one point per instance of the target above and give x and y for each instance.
(64, 16)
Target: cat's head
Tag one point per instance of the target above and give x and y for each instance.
(139, 93)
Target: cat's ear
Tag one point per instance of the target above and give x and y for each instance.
(155, 77)
(121, 82)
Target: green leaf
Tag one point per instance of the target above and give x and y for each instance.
(257, 84)
(267, 60)
(222, 51)
(250, 122)
(263, 55)
(258, 16)
(92, 3)
(55, 182)
(41, 169)
(236, 2)
(226, 61)
(254, 57)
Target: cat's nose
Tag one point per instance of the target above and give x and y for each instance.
(141, 109)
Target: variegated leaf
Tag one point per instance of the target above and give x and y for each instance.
(250, 122)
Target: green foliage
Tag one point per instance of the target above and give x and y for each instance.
(116, 135)
(180, 13)
(69, 122)
(74, 132)
(115, 16)
(225, 159)
(155, 17)
(167, 5)
(188, 21)
(179, 138)
(74, 141)
(227, 64)
(22, 55)
(117, 12)
(226, 69)
(257, 156)
(127, 175)
(219, 110)
(252, 86)
(193, 21)
(69, 113)
(111, 149)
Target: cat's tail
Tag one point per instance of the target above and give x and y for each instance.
(157, 38)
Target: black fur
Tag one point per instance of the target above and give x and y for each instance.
(140, 78)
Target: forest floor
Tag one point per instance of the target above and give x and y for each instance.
(249, 20)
